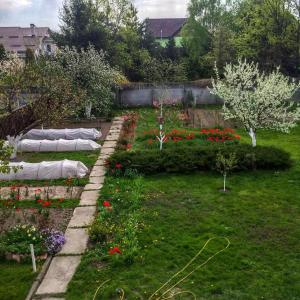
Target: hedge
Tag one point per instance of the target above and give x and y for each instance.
(198, 158)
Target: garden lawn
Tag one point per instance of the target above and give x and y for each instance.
(260, 217)
(15, 280)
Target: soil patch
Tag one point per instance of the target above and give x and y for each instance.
(56, 218)
(205, 118)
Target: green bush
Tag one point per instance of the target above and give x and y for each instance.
(194, 158)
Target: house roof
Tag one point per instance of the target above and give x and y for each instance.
(165, 28)
(20, 38)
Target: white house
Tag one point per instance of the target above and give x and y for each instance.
(19, 39)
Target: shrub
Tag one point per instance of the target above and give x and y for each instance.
(189, 159)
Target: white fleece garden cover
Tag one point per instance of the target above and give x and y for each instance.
(66, 134)
(57, 145)
(46, 170)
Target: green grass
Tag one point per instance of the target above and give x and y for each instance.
(86, 157)
(260, 216)
(15, 280)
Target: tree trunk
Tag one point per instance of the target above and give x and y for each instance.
(253, 137)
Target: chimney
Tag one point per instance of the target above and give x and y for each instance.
(32, 26)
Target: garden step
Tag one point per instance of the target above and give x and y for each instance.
(109, 144)
(97, 179)
(76, 241)
(100, 162)
(58, 276)
(89, 198)
(113, 137)
(93, 187)
(98, 171)
(82, 216)
(107, 151)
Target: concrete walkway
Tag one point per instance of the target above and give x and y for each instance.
(63, 266)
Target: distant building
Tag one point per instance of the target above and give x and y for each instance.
(165, 29)
(18, 39)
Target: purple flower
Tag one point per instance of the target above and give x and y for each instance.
(54, 240)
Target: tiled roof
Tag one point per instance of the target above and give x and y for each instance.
(165, 28)
(19, 38)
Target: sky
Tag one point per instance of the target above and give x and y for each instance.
(46, 12)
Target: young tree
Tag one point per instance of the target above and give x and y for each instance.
(257, 100)
(225, 164)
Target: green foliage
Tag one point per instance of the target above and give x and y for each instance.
(190, 159)
(18, 239)
(29, 56)
(164, 70)
(91, 73)
(3, 54)
(5, 154)
(268, 33)
(226, 163)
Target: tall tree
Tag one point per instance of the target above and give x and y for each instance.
(82, 24)
(267, 34)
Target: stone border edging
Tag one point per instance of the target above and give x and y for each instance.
(53, 282)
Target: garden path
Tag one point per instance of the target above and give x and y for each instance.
(55, 279)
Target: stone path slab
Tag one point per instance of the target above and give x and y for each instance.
(98, 171)
(59, 274)
(93, 187)
(76, 241)
(107, 151)
(112, 144)
(82, 217)
(97, 179)
(89, 198)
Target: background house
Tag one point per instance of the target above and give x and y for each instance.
(165, 29)
(18, 39)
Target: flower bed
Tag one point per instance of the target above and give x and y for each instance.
(226, 136)
(15, 243)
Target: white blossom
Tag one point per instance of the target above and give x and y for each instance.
(257, 100)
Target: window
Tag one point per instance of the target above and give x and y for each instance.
(15, 46)
(48, 48)
(13, 37)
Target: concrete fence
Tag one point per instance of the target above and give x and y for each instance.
(145, 94)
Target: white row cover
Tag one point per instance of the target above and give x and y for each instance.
(66, 134)
(57, 145)
(46, 170)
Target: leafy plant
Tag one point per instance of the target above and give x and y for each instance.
(225, 164)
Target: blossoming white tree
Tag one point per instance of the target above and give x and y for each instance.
(256, 99)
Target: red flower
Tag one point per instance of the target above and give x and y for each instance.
(46, 203)
(106, 204)
(114, 250)
(129, 146)
(118, 166)
(39, 201)
(237, 136)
